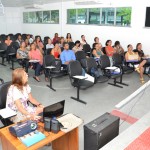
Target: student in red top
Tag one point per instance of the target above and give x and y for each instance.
(56, 51)
(109, 50)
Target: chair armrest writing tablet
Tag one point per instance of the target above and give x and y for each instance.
(7, 113)
(50, 67)
(1, 50)
(80, 77)
(11, 54)
(111, 68)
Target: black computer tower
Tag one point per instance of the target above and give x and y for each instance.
(100, 131)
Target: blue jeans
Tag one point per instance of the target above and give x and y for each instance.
(37, 67)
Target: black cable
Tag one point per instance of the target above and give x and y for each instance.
(133, 106)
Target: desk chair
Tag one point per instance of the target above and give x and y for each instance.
(2, 81)
(3, 52)
(112, 74)
(11, 55)
(81, 57)
(53, 69)
(75, 69)
(87, 49)
(71, 45)
(117, 61)
(3, 95)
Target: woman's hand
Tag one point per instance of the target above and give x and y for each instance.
(33, 117)
(40, 105)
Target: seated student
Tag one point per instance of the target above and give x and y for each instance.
(61, 42)
(77, 47)
(56, 38)
(8, 41)
(39, 44)
(68, 38)
(109, 50)
(49, 44)
(56, 51)
(118, 48)
(97, 52)
(35, 54)
(67, 55)
(144, 59)
(131, 55)
(96, 40)
(30, 38)
(19, 39)
(83, 40)
(19, 93)
(22, 56)
(27, 44)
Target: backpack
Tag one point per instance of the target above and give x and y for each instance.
(95, 72)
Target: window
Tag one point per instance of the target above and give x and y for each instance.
(25, 17)
(94, 16)
(48, 16)
(108, 16)
(112, 16)
(54, 16)
(71, 16)
(31, 17)
(39, 16)
(123, 16)
(81, 16)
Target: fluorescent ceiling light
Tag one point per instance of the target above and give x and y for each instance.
(88, 2)
(33, 6)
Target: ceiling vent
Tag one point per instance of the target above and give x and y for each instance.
(88, 2)
(33, 6)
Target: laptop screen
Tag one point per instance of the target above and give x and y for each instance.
(54, 110)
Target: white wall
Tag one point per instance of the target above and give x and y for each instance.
(11, 21)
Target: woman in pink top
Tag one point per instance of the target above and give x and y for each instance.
(35, 54)
(8, 41)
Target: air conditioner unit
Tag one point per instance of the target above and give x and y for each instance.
(33, 6)
(88, 2)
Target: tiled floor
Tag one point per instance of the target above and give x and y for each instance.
(100, 98)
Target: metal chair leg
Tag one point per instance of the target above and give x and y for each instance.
(78, 99)
(50, 86)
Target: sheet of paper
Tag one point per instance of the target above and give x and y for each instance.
(112, 68)
(70, 122)
(80, 77)
(34, 61)
(7, 112)
(89, 78)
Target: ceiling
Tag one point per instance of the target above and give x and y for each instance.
(21, 3)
